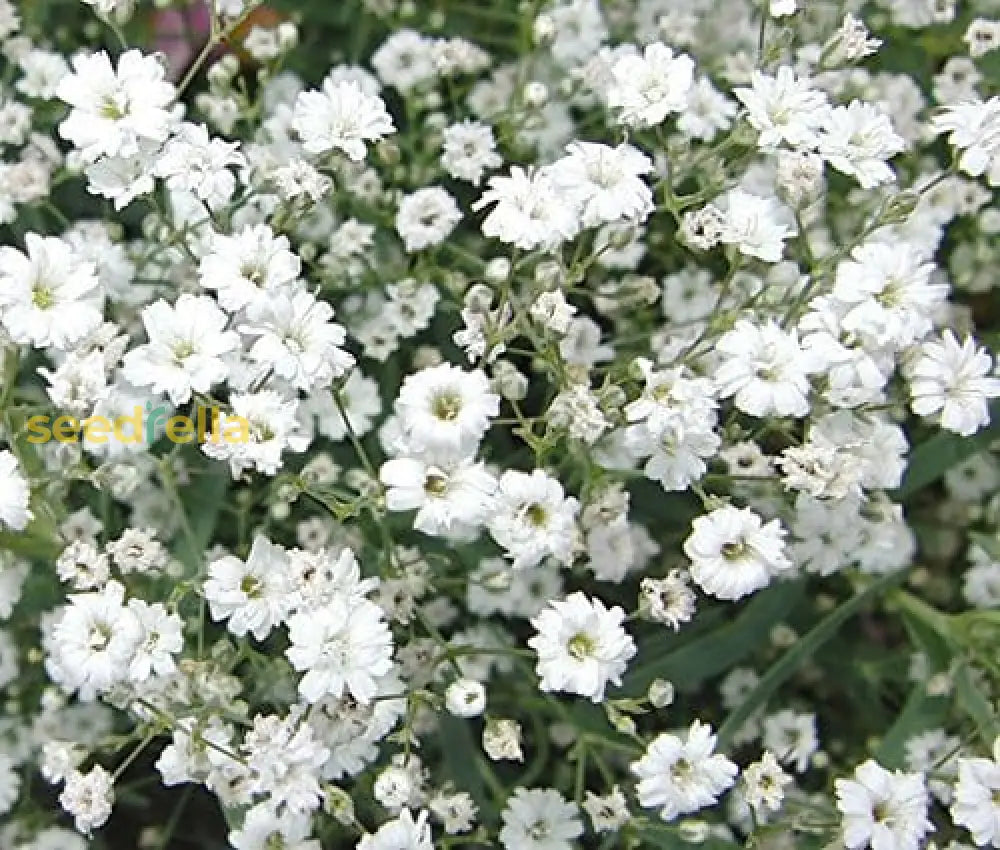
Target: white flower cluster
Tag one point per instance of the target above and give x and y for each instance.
(477, 442)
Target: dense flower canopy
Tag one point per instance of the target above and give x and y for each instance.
(529, 425)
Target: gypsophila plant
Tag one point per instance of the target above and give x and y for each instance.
(531, 424)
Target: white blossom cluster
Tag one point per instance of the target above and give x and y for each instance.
(559, 424)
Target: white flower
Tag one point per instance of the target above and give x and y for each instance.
(405, 60)
(975, 805)
(764, 784)
(851, 42)
(670, 397)
(341, 117)
(284, 759)
(298, 179)
(138, 551)
(681, 775)
(10, 784)
(707, 113)
(764, 369)
(247, 268)
(88, 797)
(981, 584)
(397, 786)
(114, 109)
(403, 833)
(192, 161)
(857, 139)
(608, 813)
(13, 572)
(539, 819)
(450, 496)
(198, 753)
(82, 565)
(534, 518)
(95, 640)
(733, 552)
(162, 639)
(298, 340)
(446, 409)
(581, 646)
(41, 72)
(576, 29)
(468, 149)
(855, 369)
(667, 600)
(342, 648)
(321, 576)
(792, 737)
(60, 759)
(605, 182)
(889, 293)
(263, 828)
(982, 36)
(465, 698)
(14, 494)
(649, 87)
(553, 311)
(78, 383)
(426, 218)
(578, 410)
(362, 403)
(122, 179)
(783, 108)
(951, 380)
(530, 212)
(47, 295)
(677, 452)
(757, 226)
(185, 348)
(974, 128)
(252, 595)
(675, 419)
(456, 812)
(883, 810)
(502, 739)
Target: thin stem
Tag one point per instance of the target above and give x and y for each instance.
(132, 756)
(359, 449)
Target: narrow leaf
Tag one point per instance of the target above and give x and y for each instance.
(786, 666)
(718, 651)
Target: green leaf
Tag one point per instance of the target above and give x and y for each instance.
(28, 545)
(920, 712)
(718, 651)
(203, 499)
(976, 705)
(786, 666)
(460, 753)
(934, 457)
(928, 628)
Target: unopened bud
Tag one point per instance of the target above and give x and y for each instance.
(899, 207)
(661, 693)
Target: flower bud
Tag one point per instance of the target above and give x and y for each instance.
(899, 207)
(465, 698)
(661, 693)
(535, 94)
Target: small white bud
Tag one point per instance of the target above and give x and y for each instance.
(465, 698)
(535, 94)
(661, 693)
